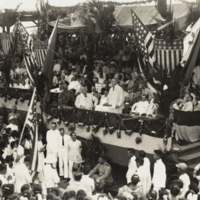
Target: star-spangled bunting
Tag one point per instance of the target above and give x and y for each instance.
(168, 55)
(40, 49)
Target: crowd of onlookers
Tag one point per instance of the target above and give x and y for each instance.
(64, 174)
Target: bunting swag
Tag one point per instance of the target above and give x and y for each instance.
(187, 130)
(8, 40)
(40, 49)
(168, 55)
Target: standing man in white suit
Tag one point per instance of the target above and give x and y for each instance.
(116, 96)
(63, 141)
(132, 167)
(52, 141)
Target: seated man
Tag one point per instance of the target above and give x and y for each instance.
(140, 108)
(75, 84)
(102, 172)
(85, 100)
(115, 99)
(66, 97)
(188, 105)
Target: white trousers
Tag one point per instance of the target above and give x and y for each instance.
(50, 151)
(71, 176)
(63, 163)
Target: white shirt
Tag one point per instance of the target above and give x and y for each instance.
(52, 140)
(140, 107)
(132, 168)
(3, 179)
(22, 176)
(74, 149)
(186, 182)
(66, 138)
(75, 186)
(159, 175)
(145, 179)
(146, 163)
(86, 102)
(50, 176)
(88, 183)
(188, 106)
(74, 85)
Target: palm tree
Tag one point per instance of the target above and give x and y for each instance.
(8, 18)
(99, 20)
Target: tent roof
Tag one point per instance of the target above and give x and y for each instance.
(147, 14)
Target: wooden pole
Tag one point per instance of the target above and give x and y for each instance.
(165, 25)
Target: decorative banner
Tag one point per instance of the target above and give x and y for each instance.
(40, 49)
(168, 54)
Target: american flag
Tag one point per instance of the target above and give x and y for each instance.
(40, 49)
(168, 55)
(144, 39)
(8, 40)
(32, 122)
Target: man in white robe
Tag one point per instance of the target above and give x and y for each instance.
(63, 141)
(86, 100)
(146, 164)
(159, 172)
(132, 167)
(144, 174)
(22, 175)
(52, 141)
(51, 177)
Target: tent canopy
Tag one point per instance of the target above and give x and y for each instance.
(147, 14)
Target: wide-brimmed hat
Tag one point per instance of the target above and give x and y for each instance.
(182, 166)
(50, 159)
(78, 159)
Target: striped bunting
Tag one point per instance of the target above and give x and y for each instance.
(168, 55)
(40, 49)
(8, 40)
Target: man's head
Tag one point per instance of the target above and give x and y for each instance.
(86, 169)
(40, 137)
(130, 152)
(157, 154)
(182, 167)
(96, 80)
(77, 176)
(27, 160)
(174, 190)
(37, 189)
(62, 131)
(142, 154)
(73, 135)
(14, 108)
(144, 97)
(102, 159)
(139, 161)
(3, 169)
(135, 179)
(114, 82)
(83, 90)
(53, 125)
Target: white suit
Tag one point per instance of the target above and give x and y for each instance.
(145, 179)
(50, 176)
(159, 175)
(116, 97)
(140, 107)
(63, 155)
(132, 168)
(86, 101)
(22, 176)
(74, 150)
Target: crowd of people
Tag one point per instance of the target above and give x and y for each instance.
(60, 162)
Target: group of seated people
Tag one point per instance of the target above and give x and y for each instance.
(115, 88)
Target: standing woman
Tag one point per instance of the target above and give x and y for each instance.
(74, 151)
